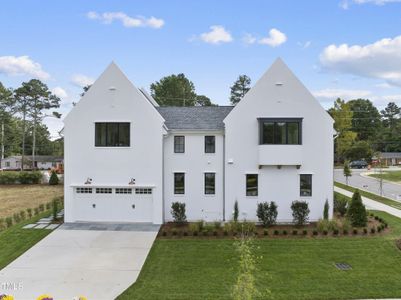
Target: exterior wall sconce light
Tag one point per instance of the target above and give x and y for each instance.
(88, 180)
(131, 181)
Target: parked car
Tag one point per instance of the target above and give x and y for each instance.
(358, 164)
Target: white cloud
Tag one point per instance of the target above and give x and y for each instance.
(380, 60)
(329, 95)
(127, 21)
(275, 38)
(304, 45)
(249, 39)
(81, 80)
(217, 35)
(59, 92)
(346, 3)
(22, 65)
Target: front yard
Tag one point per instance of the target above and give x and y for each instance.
(292, 267)
(14, 198)
(394, 176)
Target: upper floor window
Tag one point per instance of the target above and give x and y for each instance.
(179, 144)
(210, 144)
(283, 131)
(251, 184)
(112, 134)
(210, 183)
(305, 185)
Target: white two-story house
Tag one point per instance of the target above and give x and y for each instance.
(127, 159)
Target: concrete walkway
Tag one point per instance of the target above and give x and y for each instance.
(372, 204)
(97, 264)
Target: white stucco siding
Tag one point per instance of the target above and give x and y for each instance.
(290, 99)
(112, 98)
(194, 163)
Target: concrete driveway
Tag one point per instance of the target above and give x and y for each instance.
(80, 260)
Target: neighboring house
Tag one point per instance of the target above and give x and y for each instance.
(389, 158)
(42, 162)
(127, 159)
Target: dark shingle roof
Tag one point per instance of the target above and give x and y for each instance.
(194, 117)
(390, 155)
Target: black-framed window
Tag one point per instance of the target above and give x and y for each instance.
(251, 184)
(179, 144)
(210, 144)
(179, 183)
(305, 185)
(282, 131)
(112, 134)
(210, 183)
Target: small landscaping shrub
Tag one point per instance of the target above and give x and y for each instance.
(248, 227)
(225, 232)
(335, 231)
(315, 232)
(36, 211)
(322, 225)
(376, 218)
(365, 231)
(185, 233)
(29, 211)
(164, 233)
(300, 212)
(346, 225)
(16, 218)
(9, 222)
(41, 208)
(215, 233)
(48, 205)
(294, 232)
(340, 204)
(208, 227)
(195, 233)
(326, 210)
(379, 228)
(355, 231)
(193, 227)
(345, 231)
(385, 225)
(25, 177)
(285, 232)
(178, 212)
(53, 180)
(22, 215)
(265, 232)
(276, 232)
(236, 211)
(205, 233)
(372, 230)
(304, 232)
(325, 232)
(174, 232)
(267, 213)
(357, 211)
(217, 224)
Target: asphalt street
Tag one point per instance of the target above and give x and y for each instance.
(370, 184)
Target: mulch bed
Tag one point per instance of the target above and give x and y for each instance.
(173, 230)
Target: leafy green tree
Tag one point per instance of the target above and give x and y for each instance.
(267, 213)
(360, 150)
(202, 100)
(240, 87)
(6, 107)
(34, 98)
(174, 90)
(347, 171)
(365, 119)
(390, 137)
(357, 211)
(53, 180)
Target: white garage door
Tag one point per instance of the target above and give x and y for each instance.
(109, 204)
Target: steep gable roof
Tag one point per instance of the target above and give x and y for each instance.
(194, 117)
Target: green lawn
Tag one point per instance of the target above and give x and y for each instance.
(292, 268)
(391, 176)
(14, 241)
(372, 196)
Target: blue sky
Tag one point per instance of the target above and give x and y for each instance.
(346, 48)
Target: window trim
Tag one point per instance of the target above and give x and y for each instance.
(174, 184)
(311, 185)
(179, 136)
(246, 185)
(214, 183)
(280, 120)
(214, 144)
(113, 122)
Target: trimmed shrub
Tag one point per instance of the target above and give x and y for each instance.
(345, 231)
(372, 230)
(217, 224)
(215, 233)
(22, 215)
(267, 213)
(285, 232)
(304, 232)
(276, 232)
(295, 232)
(16, 218)
(355, 231)
(265, 232)
(356, 211)
(185, 233)
(36, 211)
(335, 231)
(326, 210)
(340, 204)
(178, 212)
(174, 232)
(379, 228)
(236, 211)
(205, 233)
(315, 232)
(300, 212)
(248, 227)
(29, 211)
(53, 180)
(325, 232)
(41, 207)
(164, 233)
(9, 222)
(195, 233)
(22, 177)
(225, 232)
(365, 231)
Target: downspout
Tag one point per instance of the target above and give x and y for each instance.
(224, 177)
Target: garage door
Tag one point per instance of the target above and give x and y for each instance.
(109, 204)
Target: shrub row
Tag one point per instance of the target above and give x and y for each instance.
(23, 177)
(29, 213)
